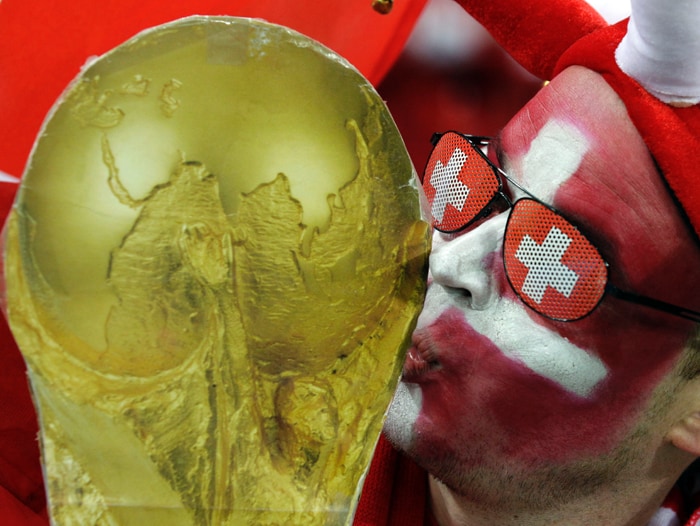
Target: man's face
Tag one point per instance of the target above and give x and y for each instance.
(488, 381)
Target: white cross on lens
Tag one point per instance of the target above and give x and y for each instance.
(544, 265)
(448, 187)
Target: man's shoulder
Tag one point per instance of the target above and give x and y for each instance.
(395, 491)
(688, 489)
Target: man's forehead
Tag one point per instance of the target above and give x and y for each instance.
(575, 115)
(579, 126)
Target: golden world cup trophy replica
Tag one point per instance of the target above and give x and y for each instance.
(212, 267)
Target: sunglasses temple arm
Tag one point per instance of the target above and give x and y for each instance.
(654, 304)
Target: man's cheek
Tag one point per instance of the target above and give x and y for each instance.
(482, 395)
(528, 338)
(637, 354)
(636, 346)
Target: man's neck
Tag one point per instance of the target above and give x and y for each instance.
(609, 507)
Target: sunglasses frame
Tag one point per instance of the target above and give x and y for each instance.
(478, 141)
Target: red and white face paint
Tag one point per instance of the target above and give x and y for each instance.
(488, 381)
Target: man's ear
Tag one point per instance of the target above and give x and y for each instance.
(684, 434)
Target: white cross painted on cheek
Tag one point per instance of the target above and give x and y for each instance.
(448, 187)
(544, 265)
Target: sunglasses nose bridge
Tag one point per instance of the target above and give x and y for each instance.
(500, 203)
(469, 261)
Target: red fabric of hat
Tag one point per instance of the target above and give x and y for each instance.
(671, 133)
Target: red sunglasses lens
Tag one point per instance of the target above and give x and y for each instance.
(458, 183)
(551, 266)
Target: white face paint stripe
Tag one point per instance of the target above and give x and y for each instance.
(558, 149)
(543, 351)
(403, 413)
(509, 326)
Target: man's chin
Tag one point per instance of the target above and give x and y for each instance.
(402, 415)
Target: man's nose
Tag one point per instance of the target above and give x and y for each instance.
(465, 262)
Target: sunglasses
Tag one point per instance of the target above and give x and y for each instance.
(552, 267)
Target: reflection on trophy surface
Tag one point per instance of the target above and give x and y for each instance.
(213, 264)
